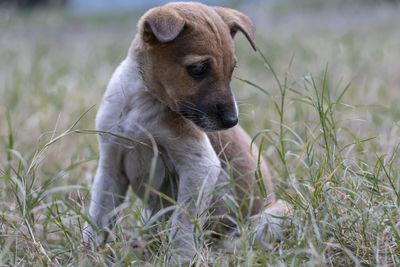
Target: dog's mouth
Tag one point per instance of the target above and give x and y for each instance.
(213, 118)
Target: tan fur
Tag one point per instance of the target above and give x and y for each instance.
(233, 146)
(236, 21)
(154, 59)
(161, 24)
(175, 86)
(212, 38)
(181, 127)
(212, 28)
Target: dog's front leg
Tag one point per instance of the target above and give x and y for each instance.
(108, 191)
(198, 168)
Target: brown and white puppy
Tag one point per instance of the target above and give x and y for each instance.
(173, 91)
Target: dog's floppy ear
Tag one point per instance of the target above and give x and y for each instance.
(237, 21)
(161, 24)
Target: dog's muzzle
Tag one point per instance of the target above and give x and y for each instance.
(210, 117)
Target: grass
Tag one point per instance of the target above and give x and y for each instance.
(321, 98)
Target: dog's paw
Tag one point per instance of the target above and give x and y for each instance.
(266, 227)
(181, 256)
(270, 224)
(90, 237)
(233, 241)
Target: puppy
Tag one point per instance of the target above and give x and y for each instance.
(168, 109)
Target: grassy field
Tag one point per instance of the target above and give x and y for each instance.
(324, 96)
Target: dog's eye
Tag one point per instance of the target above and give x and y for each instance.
(198, 71)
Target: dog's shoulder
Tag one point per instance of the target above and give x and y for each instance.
(126, 102)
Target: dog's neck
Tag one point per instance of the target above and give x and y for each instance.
(133, 63)
(135, 58)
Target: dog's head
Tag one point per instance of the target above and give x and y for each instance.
(186, 58)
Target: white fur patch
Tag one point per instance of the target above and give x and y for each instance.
(131, 115)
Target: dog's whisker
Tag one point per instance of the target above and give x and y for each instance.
(191, 106)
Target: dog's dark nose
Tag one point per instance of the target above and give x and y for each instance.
(229, 120)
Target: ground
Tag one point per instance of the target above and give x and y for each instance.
(321, 95)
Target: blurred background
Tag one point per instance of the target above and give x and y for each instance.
(56, 57)
(126, 5)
